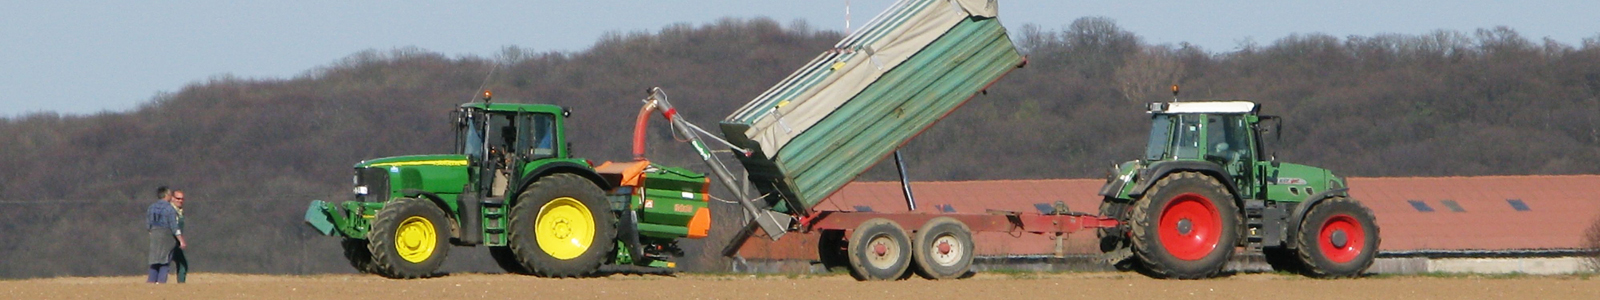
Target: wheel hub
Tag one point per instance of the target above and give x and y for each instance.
(947, 250)
(415, 239)
(564, 228)
(884, 252)
(1339, 238)
(1189, 227)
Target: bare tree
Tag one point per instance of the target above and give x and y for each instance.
(1149, 71)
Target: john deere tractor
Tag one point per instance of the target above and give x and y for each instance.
(1207, 185)
(513, 185)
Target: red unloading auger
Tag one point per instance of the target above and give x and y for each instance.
(775, 224)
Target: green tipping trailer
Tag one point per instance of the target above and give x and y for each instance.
(853, 105)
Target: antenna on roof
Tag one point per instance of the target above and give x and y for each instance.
(482, 88)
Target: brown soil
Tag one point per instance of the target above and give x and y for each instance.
(656, 287)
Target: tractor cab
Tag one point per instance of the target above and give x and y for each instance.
(498, 139)
(1225, 133)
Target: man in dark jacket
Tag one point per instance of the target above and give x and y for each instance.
(162, 221)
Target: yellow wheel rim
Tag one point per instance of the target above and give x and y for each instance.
(565, 228)
(416, 239)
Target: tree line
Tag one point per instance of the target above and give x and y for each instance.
(251, 152)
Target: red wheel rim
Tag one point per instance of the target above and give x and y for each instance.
(1190, 227)
(1341, 239)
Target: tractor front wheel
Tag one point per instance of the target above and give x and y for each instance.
(562, 226)
(1185, 226)
(1338, 238)
(410, 238)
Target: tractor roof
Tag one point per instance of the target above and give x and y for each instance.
(546, 108)
(1202, 107)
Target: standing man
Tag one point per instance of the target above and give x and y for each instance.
(180, 262)
(162, 221)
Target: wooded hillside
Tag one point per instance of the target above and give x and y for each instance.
(251, 152)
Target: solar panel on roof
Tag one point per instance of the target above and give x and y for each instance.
(1420, 206)
(1518, 205)
(1452, 205)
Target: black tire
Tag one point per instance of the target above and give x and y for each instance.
(1348, 247)
(507, 260)
(1114, 238)
(866, 261)
(1185, 227)
(943, 249)
(414, 218)
(568, 198)
(831, 250)
(355, 250)
(1283, 259)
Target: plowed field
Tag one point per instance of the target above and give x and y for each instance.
(690, 286)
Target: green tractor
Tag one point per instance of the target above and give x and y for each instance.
(1206, 185)
(513, 185)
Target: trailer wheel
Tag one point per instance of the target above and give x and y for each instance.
(831, 249)
(562, 226)
(355, 250)
(879, 250)
(1338, 238)
(943, 249)
(410, 238)
(1185, 226)
(507, 260)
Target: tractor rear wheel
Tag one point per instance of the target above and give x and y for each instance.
(507, 260)
(1185, 226)
(562, 226)
(410, 238)
(1338, 238)
(879, 250)
(943, 249)
(356, 251)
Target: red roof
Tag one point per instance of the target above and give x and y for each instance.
(1558, 210)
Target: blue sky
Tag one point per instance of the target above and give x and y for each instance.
(83, 57)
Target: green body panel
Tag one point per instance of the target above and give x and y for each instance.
(670, 197)
(1295, 183)
(440, 174)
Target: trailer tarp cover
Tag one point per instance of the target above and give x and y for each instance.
(851, 106)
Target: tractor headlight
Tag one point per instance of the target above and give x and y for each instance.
(361, 190)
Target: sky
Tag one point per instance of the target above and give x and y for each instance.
(86, 57)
